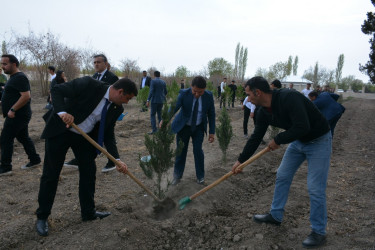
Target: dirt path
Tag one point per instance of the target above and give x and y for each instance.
(219, 219)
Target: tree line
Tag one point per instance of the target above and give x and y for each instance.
(38, 51)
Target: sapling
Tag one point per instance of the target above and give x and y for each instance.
(224, 133)
(159, 146)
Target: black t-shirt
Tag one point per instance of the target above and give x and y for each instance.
(17, 83)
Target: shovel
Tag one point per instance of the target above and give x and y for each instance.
(184, 201)
(101, 149)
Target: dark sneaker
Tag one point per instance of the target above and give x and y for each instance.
(175, 181)
(151, 132)
(108, 168)
(72, 163)
(31, 165)
(314, 240)
(266, 218)
(200, 181)
(5, 172)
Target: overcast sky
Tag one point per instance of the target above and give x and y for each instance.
(169, 33)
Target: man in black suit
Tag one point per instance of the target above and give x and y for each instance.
(103, 74)
(87, 102)
(145, 81)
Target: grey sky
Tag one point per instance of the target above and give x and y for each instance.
(167, 34)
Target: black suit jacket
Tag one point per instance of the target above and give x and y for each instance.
(79, 98)
(108, 77)
(147, 83)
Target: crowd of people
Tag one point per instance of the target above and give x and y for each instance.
(307, 120)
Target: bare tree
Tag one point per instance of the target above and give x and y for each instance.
(43, 50)
(130, 68)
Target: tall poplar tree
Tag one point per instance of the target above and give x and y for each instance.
(368, 28)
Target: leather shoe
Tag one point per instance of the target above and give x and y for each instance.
(314, 240)
(42, 227)
(266, 218)
(96, 215)
(175, 181)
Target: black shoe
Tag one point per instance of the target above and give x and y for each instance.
(96, 215)
(72, 163)
(314, 240)
(151, 132)
(175, 181)
(108, 168)
(200, 181)
(42, 227)
(31, 165)
(265, 218)
(5, 171)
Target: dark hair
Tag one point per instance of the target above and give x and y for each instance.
(59, 78)
(258, 82)
(199, 82)
(12, 59)
(144, 71)
(127, 85)
(313, 93)
(102, 56)
(157, 74)
(276, 83)
(233, 81)
(52, 68)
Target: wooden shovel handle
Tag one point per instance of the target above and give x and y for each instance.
(101, 149)
(226, 176)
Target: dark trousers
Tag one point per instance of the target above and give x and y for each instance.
(155, 109)
(56, 148)
(233, 98)
(246, 115)
(222, 100)
(18, 128)
(197, 137)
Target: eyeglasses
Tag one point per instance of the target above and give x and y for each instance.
(97, 62)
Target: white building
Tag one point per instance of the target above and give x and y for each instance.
(299, 83)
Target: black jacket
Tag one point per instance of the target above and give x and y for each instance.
(147, 83)
(79, 98)
(108, 77)
(292, 111)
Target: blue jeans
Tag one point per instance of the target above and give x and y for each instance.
(197, 137)
(317, 153)
(155, 109)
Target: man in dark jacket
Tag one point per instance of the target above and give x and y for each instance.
(157, 97)
(328, 105)
(103, 74)
(310, 139)
(94, 107)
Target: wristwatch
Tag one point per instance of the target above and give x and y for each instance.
(12, 109)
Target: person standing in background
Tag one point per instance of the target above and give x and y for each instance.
(16, 108)
(158, 91)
